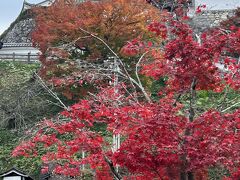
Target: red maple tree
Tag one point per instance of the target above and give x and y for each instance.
(161, 139)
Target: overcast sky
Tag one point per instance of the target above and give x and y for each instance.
(10, 9)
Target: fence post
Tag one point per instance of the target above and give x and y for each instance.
(13, 56)
(29, 57)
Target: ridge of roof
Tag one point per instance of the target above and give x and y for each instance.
(13, 170)
(50, 1)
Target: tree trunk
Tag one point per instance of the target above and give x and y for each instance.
(186, 176)
(115, 173)
(189, 175)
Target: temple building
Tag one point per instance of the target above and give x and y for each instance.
(18, 36)
(216, 11)
(20, 30)
(14, 174)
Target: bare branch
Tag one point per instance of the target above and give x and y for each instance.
(54, 95)
(132, 81)
(139, 81)
(231, 107)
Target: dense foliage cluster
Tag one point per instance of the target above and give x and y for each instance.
(179, 135)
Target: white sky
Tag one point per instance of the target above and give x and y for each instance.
(10, 9)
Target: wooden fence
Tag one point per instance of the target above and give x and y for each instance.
(25, 58)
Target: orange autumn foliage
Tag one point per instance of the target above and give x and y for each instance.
(115, 21)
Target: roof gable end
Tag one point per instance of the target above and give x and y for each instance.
(13, 171)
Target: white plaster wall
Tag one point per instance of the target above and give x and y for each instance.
(19, 50)
(12, 178)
